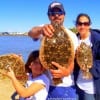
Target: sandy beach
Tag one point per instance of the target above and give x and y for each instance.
(6, 89)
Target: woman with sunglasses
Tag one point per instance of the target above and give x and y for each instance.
(88, 89)
(66, 89)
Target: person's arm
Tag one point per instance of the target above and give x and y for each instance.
(21, 90)
(62, 71)
(46, 30)
(35, 32)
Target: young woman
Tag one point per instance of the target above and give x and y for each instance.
(37, 85)
(88, 89)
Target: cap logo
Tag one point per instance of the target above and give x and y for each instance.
(55, 4)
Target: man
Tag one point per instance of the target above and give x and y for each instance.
(56, 13)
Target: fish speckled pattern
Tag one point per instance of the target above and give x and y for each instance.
(58, 48)
(84, 59)
(16, 63)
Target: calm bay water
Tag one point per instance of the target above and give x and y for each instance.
(18, 44)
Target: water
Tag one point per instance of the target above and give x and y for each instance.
(18, 44)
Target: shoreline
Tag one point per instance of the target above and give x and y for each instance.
(15, 35)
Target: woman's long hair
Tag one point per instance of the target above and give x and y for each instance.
(31, 58)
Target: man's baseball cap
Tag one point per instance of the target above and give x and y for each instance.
(56, 5)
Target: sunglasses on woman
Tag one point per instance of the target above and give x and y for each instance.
(83, 23)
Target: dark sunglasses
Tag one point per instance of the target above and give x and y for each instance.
(83, 23)
(54, 13)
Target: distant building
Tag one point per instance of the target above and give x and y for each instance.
(5, 33)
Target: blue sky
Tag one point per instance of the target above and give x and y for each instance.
(22, 15)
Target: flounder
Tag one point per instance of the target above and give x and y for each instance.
(58, 48)
(17, 65)
(84, 59)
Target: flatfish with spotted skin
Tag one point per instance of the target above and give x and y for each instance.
(58, 48)
(16, 63)
(84, 59)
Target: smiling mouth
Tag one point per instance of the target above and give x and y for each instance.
(56, 19)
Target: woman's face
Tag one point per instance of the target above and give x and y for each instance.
(83, 25)
(36, 67)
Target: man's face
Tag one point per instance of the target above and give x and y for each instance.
(56, 16)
